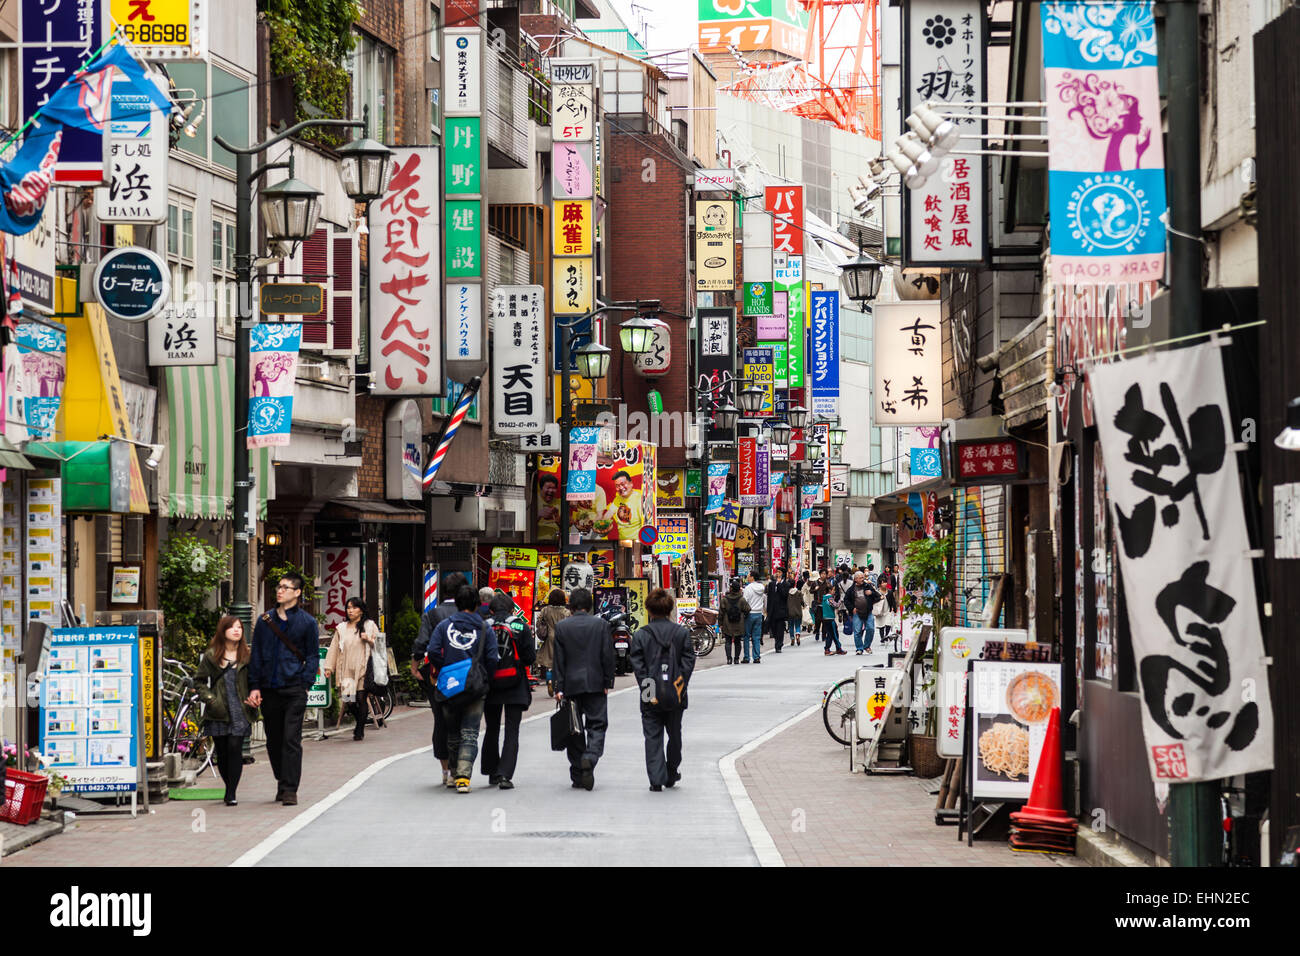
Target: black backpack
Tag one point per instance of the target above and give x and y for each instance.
(509, 672)
(734, 614)
(664, 670)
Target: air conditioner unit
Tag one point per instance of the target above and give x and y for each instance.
(500, 523)
(694, 447)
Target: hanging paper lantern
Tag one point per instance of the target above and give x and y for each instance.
(655, 362)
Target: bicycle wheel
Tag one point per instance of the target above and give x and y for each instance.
(837, 709)
(702, 638)
(381, 705)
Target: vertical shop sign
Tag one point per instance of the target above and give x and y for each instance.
(340, 574)
(758, 368)
(137, 152)
(273, 360)
(785, 203)
(908, 372)
(789, 281)
(825, 372)
(405, 305)
(756, 232)
(518, 361)
(463, 58)
(715, 246)
(716, 365)
(944, 63)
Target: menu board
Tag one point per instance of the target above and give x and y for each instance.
(1010, 704)
(88, 708)
(957, 645)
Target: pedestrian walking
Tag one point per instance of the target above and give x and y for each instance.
(348, 660)
(884, 614)
(221, 684)
(283, 664)
(462, 656)
(663, 657)
(551, 614)
(756, 597)
(731, 620)
(859, 600)
(778, 594)
(485, 596)
(584, 674)
(452, 582)
(830, 605)
(794, 611)
(509, 694)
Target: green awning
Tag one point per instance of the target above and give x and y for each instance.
(195, 479)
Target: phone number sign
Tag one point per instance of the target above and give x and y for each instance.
(162, 28)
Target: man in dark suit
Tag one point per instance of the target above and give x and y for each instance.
(584, 673)
(778, 593)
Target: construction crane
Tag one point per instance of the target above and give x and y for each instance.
(838, 79)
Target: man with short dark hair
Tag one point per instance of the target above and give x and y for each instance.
(284, 662)
(584, 674)
(663, 657)
(778, 594)
(452, 582)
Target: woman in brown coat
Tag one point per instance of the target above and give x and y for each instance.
(552, 614)
(348, 658)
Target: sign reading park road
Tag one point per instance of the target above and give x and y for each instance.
(291, 298)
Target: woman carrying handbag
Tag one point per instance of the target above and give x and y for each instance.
(348, 660)
(221, 684)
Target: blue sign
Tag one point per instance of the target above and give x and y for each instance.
(45, 65)
(926, 463)
(273, 359)
(824, 338)
(580, 335)
(89, 708)
(132, 283)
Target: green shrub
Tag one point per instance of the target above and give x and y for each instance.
(189, 571)
(402, 632)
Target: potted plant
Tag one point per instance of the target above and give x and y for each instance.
(927, 589)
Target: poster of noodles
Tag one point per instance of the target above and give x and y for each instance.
(624, 499)
(1010, 704)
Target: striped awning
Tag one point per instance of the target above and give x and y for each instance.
(195, 479)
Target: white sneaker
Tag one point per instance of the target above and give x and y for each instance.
(447, 779)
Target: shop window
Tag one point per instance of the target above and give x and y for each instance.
(371, 67)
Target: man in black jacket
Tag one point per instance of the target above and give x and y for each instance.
(284, 661)
(498, 757)
(584, 673)
(778, 592)
(663, 657)
(452, 582)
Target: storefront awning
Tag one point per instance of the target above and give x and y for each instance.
(374, 510)
(11, 457)
(885, 508)
(195, 478)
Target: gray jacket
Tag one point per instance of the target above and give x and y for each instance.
(584, 655)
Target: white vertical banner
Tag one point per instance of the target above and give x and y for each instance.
(405, 277)
(1166, 434)
(518, 360)
(137, 158)
(465, 321)
(756, 232)
(463, 61)
(907, 386)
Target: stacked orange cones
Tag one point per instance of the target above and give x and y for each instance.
(1042, 825)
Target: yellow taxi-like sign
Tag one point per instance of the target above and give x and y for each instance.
(159, 28)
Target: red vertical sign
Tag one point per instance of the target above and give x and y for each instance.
(785, 203)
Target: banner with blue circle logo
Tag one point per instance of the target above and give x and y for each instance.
(1106, 177)
(273, 364)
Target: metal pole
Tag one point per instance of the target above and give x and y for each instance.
(565, 424)
(240, 606)
(1193, 807)
(702, 399)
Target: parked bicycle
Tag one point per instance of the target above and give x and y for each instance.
(703, 625)
(839, 702)
(182, 717)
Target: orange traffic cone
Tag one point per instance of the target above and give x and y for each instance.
(1045, 801)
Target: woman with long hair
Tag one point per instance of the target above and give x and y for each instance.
(222, 686)
(348, 659)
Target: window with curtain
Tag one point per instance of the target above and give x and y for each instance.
(371, 67)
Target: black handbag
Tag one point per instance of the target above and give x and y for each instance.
(565, 725)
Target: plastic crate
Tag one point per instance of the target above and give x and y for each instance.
(24, 795)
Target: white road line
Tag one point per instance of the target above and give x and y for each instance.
(267, 846)
(759, 838)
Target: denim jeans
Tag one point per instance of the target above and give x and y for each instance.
(462, 722)
(753, 635)
(830, 633)
(793, 626)
(864, 630)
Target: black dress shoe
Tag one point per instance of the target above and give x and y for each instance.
(655, 788)
(290, 798)
(673, 778)
(588, 774)
(231, 802)
(279, 793)
(505, 784)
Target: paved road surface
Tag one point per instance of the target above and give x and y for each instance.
(402, 814)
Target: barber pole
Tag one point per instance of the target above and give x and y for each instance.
(430, 587)
(453, 425)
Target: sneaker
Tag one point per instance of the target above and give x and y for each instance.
(231, 802)
(462, 785)
(448, 779)
(841, 652)
(505, 784)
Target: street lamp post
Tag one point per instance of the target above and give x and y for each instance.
(593, 363)
(293, 208)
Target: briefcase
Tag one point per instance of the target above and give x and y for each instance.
(564, 725)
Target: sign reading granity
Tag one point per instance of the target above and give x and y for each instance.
(132, 283)
(908, 372)
(518, 360)
(405, 304)
(944, 220)
(1167, 433)
(291, 298)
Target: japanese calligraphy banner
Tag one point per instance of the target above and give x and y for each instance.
(339, 570)
(518, 360)
(825, 372)
(178, 336)
(718, 471)
(405, 285)
(715, 246)
(273, 362)
(1106, 178)
(944, 220)
(581, 480)
(756, 234)
(908, 371)
(572, 289)
(572, 104)
(716, 365)
(1165, 429)
(138, 150)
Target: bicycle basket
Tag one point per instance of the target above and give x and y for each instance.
(174, 683)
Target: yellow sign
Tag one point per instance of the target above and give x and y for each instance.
(573, 229)
(638, 589)
(580, 389)
(148, 684)
(514, 558)
(151, 25)
(715, 247)
(573, 284)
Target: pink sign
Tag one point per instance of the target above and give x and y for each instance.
(774, 326)
(571, 171)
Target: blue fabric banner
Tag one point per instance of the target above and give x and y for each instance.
(273, 363)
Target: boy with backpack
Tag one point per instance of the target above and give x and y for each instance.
(509, 692)
(663, 657)
(462, 657)
(731, 620)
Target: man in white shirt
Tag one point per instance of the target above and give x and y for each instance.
(755, 594)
